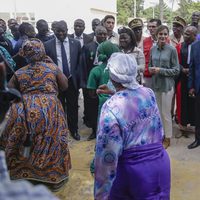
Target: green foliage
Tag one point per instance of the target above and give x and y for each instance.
(125, 9)
(187, 7)
(167, 13)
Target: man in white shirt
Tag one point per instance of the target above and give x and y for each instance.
(109, 24)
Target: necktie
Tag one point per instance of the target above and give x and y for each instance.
(64, 61)
(80, 40)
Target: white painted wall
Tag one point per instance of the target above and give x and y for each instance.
(67, 10)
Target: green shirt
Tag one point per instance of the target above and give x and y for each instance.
(167, 60)
(98, 76)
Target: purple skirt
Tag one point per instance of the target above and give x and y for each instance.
(143, 173)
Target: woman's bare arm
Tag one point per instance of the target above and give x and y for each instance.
(62, 81)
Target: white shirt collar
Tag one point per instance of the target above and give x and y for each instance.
(78, 37)
(58, 41)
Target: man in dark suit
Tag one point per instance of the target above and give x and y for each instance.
(194, 89)
(79, 27)
(90, 61)
(187, 103)
(95, 22)
(65, 52)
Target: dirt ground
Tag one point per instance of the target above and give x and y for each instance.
(185, 165)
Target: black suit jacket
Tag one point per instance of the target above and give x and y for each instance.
(91, 35)
(194, 68)
(75, 52)
(86, 38)
(87, 60)
(90, 54)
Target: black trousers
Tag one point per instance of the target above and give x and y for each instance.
(69, 100)
(90, 110)
(197, 117)
(187, 104)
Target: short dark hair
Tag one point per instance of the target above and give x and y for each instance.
(14, 27)
(193, 28)
(3, 21)
(99, 28)
(4, 25)
(158, 21)
(41, 21)
(107, 17)
(162, 27)
(79, 20)
(62, 24)
(23, 27)
(96, 19)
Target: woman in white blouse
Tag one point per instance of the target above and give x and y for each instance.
(128, 45)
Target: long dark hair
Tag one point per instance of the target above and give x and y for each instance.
(130, 33)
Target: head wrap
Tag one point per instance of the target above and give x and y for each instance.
(123, 69)
(33, 50)
(105, 50)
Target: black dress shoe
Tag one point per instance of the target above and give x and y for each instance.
(75, 135)
(92, 136)
(195, 144)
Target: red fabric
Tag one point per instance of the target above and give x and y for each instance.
(178, 88)
(178, 102)
(178, 49)
(147, 44)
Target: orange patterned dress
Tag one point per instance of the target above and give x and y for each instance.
(41, 114)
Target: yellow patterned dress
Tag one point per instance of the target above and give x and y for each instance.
(40, 114)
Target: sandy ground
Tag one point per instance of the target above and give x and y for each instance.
(185, 165)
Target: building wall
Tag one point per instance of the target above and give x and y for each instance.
(67, 10)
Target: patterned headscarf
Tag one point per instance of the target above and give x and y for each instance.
(105, 50)
(33, 50)
(123, 69)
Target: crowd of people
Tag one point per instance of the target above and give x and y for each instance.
(133, 87)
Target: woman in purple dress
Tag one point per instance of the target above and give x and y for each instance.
(130, 161)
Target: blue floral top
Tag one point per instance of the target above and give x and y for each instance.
(129, 118)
